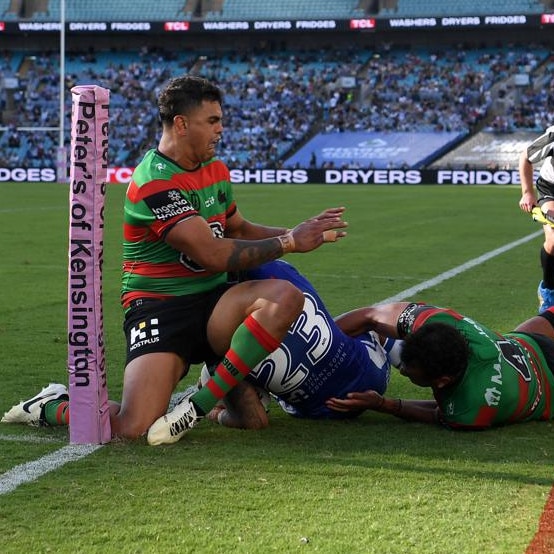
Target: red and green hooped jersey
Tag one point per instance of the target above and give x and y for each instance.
(507, 378)
(161, 194)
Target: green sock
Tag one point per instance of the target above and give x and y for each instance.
(56, 412)
(250, 344)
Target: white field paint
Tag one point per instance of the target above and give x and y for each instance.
(25, 473)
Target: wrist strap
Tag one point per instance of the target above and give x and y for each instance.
(287, 243)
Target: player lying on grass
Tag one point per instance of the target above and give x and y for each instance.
(479, 378)
(316, 360)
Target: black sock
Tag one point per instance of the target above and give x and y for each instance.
(547, 263)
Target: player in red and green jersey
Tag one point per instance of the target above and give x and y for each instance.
(479, 378)
(183, 232)
(161, 194)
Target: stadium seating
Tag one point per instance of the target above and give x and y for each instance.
(146, 10)
(286, 9)
(137, 10)
(422, 8)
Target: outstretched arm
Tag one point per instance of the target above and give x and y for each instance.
(246, 245)
(424, 411)
(381, 318)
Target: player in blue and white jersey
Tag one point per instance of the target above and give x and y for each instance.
(315, 361)
(541, 204)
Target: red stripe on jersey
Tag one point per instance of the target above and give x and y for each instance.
(231, 209)
(205, 176)
(542, 381)
(267, 342)
(199, 179)
(128, 297)
(135, 193)
(484, 419)
(423, 316)
(157, 270)
(134, 233)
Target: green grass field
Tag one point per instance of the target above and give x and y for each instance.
(372, 485)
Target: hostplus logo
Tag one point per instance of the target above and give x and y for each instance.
(146, 332)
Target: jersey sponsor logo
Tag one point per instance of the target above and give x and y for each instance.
(168, 204)
(145, 333)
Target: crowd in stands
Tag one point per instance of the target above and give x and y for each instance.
(528, 107)
(275, 101)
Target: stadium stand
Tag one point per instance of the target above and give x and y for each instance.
(278, 98)
(276, 101)
(439, 8)
(284, 9)
(145, 10)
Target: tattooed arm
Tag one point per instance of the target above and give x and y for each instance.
(194, 237)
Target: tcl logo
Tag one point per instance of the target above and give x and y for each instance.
(119, 174)
(547, 18)
(176, 26)
(362, 23)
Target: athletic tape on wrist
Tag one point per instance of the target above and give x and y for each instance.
(287, 243)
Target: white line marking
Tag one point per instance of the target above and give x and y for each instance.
(28, 438)
(460, 269)
(30, 471)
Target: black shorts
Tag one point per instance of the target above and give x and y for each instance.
(545, 190)
(547, 347)
(176, 325)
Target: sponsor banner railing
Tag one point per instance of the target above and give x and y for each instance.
(300, 176)
(360, 24)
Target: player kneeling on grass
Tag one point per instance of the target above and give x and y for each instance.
(183, 232)
(315, 361)
(479, 378)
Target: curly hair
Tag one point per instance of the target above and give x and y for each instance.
(437, 349)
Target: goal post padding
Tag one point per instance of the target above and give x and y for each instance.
(88, 390)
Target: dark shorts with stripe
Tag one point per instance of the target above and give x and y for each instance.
(545, 190)
(547, 347)
(176, 325)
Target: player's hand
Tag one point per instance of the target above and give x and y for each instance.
(356, 401)
(527, 202)
(326, 227)
(213, 414)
